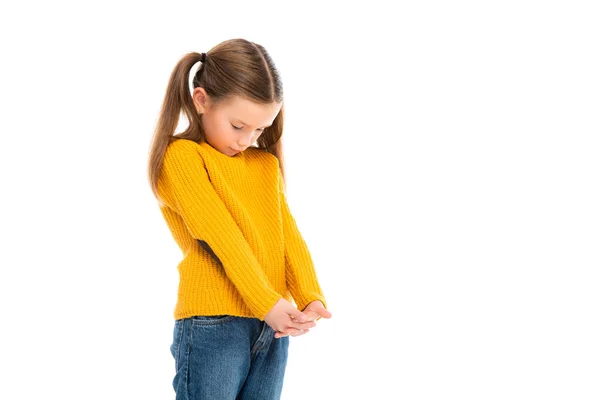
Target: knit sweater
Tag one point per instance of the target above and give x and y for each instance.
(242, 250)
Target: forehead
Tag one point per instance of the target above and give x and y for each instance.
(250, 112)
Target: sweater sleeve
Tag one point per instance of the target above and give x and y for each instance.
(301, 277)
(185, 186)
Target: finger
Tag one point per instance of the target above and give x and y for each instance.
(302, 325)
(311, 315)
(297, 315)
(322, 313)
(290, 332)
(296, 332)
(280, 334)
(297, 323)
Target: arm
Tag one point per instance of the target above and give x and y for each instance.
(185, 186)
(301, 277)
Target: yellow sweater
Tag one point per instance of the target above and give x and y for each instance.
(242, 250)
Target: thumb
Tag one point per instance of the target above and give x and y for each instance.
(323, 312)
(298, 315)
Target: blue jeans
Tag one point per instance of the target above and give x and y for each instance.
(226, 357)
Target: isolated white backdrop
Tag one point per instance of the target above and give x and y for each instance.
(443, 168)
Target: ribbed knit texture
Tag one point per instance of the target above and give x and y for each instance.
(242, 250)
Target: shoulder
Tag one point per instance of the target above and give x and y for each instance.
(178, 145)
(268, 164)
(264, 156)
(182, 146)
(183, 151)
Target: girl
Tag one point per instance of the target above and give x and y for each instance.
(221, 190)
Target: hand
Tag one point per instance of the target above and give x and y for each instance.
(286, 319)
(313, 311)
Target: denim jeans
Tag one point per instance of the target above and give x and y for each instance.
(226, 357)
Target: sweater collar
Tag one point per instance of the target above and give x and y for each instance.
(208, 146)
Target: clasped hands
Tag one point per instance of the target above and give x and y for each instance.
(287, 320)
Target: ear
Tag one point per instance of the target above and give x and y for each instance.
(201, 100)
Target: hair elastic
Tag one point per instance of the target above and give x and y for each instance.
(203, 58)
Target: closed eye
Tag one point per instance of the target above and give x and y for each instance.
(240, 127)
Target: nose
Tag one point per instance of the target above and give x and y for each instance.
(245, 142)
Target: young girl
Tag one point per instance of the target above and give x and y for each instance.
(221, 190)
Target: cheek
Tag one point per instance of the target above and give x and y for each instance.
(210, 125)
(224, 130)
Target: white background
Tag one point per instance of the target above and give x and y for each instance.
(443, 166)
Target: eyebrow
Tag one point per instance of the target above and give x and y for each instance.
(239, 120)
